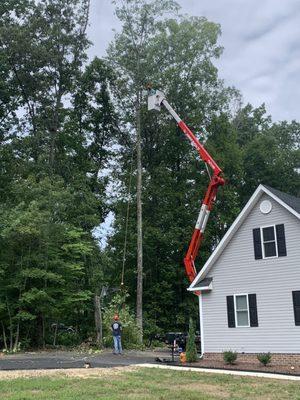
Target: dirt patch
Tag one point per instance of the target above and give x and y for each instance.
(67, 373)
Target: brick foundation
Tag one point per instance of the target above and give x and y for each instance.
(277, 358)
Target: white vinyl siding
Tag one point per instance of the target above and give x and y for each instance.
(272, 279)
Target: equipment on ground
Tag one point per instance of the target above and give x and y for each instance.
(156, 99)
(179, 340)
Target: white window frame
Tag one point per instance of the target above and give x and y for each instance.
(262, 241)
(235, 310)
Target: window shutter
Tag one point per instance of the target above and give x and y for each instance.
(257, 244)
(281, 247)
(230, 312)
(253, 309)
(296, 301)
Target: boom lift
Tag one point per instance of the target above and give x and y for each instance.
(156, 99)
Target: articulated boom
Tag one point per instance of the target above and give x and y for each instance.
(155, 100)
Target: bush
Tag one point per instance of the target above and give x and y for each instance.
(229, 357)
(68, 339)
(191, 350)
(264, 358)
(130, 331)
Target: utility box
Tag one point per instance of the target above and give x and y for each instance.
(154, 100)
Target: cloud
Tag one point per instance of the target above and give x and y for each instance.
(261, 47)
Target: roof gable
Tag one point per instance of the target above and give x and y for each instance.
(288, 202)
(291, 201)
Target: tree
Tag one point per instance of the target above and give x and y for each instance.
(45, 52)
(269, 150)
(42, 259)
(128, 55)
(174, 179)
(58, 128)
(191, 350)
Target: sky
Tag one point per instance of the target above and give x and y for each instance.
(261, 40)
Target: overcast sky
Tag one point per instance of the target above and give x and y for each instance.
(261, 40)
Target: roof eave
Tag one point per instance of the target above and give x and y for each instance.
(200, 289)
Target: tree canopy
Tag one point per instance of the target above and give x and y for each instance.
(75, 131)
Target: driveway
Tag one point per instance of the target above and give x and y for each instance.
(69, 359)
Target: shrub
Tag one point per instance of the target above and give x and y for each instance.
(229, 357)
(264, 358)
(68, 339)
(191, 350)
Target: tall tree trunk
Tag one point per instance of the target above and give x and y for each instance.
(10, 327)
(98, 319)
(17, 337)
(4, 336)
(139, 288)
(43, 332)
(55, 334)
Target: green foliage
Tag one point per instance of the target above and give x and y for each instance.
(191, 350)
(67, 132)
(57, 126)
(68, 339)
(130, 332)
(229, 357)
(264, 358)
(173, 179)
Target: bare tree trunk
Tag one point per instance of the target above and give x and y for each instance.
(10, 327)
(98, 319)
(17, 337)
(139, 288)
(4, 336)
(43, 330)
(55, 334)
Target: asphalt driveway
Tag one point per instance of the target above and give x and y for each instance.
(69, 359)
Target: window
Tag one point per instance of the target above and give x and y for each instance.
(241, 310)
(269, 241)
(296, 303)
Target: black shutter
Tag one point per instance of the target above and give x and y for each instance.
(296, 301)
(253, 309)
(230, 312)
(281, 247)
(257, 244)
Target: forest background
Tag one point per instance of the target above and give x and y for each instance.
(70, 133)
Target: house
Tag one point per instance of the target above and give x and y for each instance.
(250, 285)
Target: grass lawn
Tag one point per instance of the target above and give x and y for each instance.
(149, 384)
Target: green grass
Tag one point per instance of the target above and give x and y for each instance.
(152, 384)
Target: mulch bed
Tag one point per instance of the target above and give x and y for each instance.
(243, 366)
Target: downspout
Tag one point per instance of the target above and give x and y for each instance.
(201, 325)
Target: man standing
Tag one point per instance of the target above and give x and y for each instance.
(116, 328)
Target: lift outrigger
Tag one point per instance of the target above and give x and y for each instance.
(156, 99)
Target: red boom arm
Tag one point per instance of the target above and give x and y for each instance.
(155, 100)
(207, 204)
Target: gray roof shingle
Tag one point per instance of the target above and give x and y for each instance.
(292, 201)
